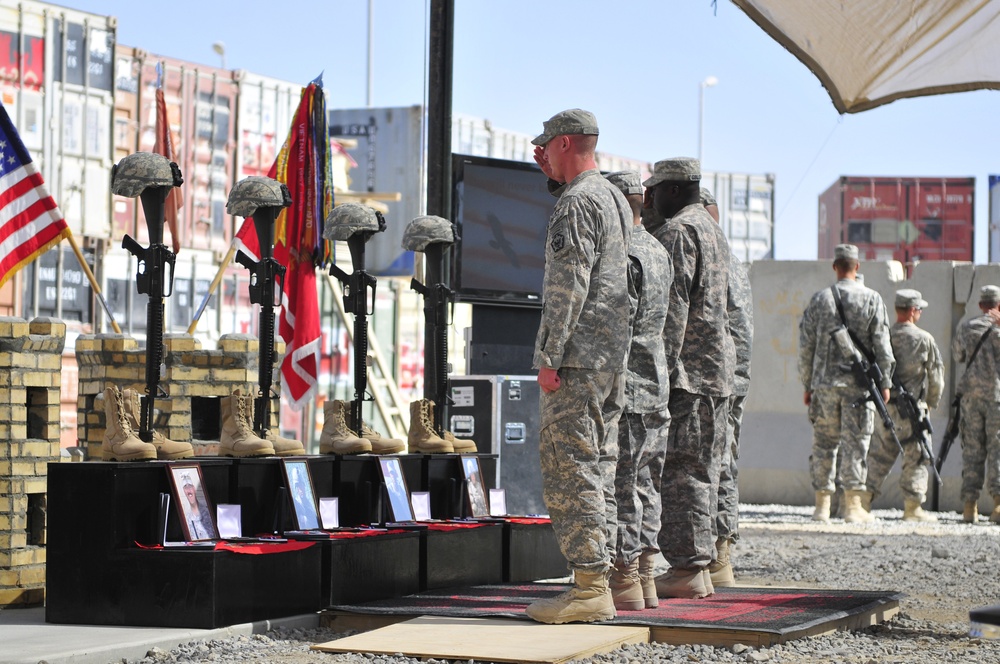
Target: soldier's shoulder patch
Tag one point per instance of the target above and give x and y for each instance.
(557, 236)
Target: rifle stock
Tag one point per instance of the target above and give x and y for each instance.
(357, 286)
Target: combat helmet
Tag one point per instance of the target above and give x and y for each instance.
(349, 219)
(254, 192)
(141, 170)
(426, 230)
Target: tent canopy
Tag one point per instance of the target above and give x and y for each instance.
(871, 52)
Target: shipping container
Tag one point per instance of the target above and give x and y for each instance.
(908, 219)
(994, 218)
(746, 211)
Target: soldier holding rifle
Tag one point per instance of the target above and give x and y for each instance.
(844, 338)
(917, 386)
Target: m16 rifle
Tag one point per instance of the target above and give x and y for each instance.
(356, 224)
(434, 236)
(150, 177)
(920, 424)
(954, 410)
(263, 199)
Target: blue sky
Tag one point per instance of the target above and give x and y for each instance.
(637, 64)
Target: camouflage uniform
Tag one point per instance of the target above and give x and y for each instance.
(979, 421)
(920, 370)
(838, 426)
(584, 334)
(701, 362)
(642, 429)
(740, 307)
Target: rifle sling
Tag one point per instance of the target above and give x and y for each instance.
(843, 319)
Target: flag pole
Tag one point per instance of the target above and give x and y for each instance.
(211, 289)
(92, 279)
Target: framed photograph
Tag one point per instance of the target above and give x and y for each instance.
(475, 490)
(395, 484)
(195, 510)
(300, 491)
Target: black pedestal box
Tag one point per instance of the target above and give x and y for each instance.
(531, 553)
(365, 569)
(461, 557)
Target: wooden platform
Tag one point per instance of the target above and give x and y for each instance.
(489, 639)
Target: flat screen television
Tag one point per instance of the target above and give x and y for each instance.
(502, 211)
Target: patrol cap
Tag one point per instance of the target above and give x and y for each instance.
(426, 230)
(572, 121)
(677, 169)
(907, 298)
(347, 219)
(846, 252)
(628, 182)
(707, 198)
(989, 295)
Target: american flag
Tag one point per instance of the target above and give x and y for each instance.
(30, 220)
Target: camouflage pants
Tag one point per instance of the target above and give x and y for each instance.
(578, 450)
(689, 489)
(727, 521)
(882, 454)
(979, 426)
(641, 444)
(839, 429)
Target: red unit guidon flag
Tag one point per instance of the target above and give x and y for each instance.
(30, 220)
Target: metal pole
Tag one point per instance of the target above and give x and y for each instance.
(371, 53)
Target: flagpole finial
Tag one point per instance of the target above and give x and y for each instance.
(318, 80)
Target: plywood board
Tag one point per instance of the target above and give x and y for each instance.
(493, 640)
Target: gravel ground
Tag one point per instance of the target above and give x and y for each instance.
(945, 569)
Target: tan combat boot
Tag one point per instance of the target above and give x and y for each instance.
(995, 514)
(721, 569)
(647, 578)
(337, 437)
(381, 444)
(626, 587)
(912, 511)
(120, 441)
(686, 583)
(237, 438)
(822, 511)
(866, 500)
(421, 437)
(588, 600)
(166, 449)
(970, 512)
(282, 446)
(853, 511)
(461, 445)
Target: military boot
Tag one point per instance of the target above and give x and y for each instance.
(422, 437)
(120, 441)
(995, 514)
(166, 449)
(853, 511)
(588, 600)
(721, 569)
(912, 511)
(237, 438)
(647, 579)
(970, 512)
(822, 511)
(626, 587)
(689, 583)
(282, 446)
(337, 437)
(461, 445)
(866, 500)
(382, 444)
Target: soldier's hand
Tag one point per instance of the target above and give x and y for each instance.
(807, 398)
(885, 395)
(542, 162)
(995, 315)
(548, 379)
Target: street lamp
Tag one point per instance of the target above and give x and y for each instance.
(220, 48)
(707, 83)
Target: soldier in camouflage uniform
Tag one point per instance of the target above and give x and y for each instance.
(979, 423)
(920, 370)
(642, 429)
(701, 362)
(580, 356)
(831, 389)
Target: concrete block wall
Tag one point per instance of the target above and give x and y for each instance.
(30, 369)
(189, 373)
(777, 436)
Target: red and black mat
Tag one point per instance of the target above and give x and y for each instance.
(776, 610)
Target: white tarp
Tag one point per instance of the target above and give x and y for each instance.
(871, 52)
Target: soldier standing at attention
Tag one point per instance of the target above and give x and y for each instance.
(700, 362)
(642, 429)
(831, 389)
(979, 421)
(920, 370)
(580, 355)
